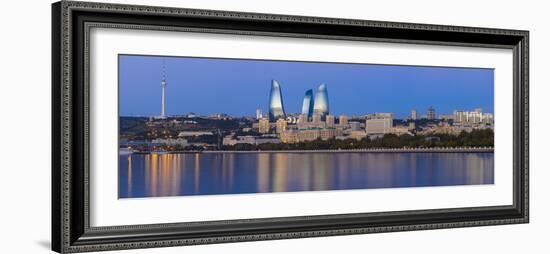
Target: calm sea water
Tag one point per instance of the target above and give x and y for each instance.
(157, 175)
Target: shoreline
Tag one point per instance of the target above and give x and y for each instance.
(372, 150)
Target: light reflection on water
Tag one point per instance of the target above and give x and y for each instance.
(158, 175)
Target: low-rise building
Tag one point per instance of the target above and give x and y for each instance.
(358, 134)
(289, 136)
(355, 126)
(194, 133)
(170, 141)
(399, 130)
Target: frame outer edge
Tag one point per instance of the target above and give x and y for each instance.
(65, 121)
(526, 137)
(56, 128)
(66, 106)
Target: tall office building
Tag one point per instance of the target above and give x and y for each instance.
(281, 125)
(263, 125)
(276, 109)
(330, 120)
(316, 118)
(343, 120)
(460, 116)
(320, 105)
(413, 114)
(307, 105)
(431, 113)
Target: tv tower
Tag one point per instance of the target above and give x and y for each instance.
(163, 85)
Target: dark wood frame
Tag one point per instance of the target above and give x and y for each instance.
(71, 22)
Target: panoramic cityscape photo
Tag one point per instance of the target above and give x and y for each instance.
(205, 126)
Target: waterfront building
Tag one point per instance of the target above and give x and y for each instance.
(431, 113)
(170, 141)
(194, 133)
(307, 105)
(379, 123)
(251, 140)
(267, 140)
(290, 136)
(413, 114)
(276, 108)
(229, 141)
(309, 135)
(329, 133)
(330, 120)
(399, 130)
(359, 134)
(294, 136)
(343, 120)
(316, 118)
(280, 125)
(321, 105)
(263, 125)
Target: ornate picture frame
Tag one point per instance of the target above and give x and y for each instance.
(71, 196)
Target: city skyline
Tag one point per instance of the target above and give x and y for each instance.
(355, 89)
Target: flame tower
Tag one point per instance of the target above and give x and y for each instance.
(276, 109)
(321, 101)
(307, 105)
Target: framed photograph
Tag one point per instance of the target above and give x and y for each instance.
(182, 126)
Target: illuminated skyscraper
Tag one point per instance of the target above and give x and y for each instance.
(307, 105)
(276, 109)
(320, 105)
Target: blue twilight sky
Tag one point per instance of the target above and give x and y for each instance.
(237, 87)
